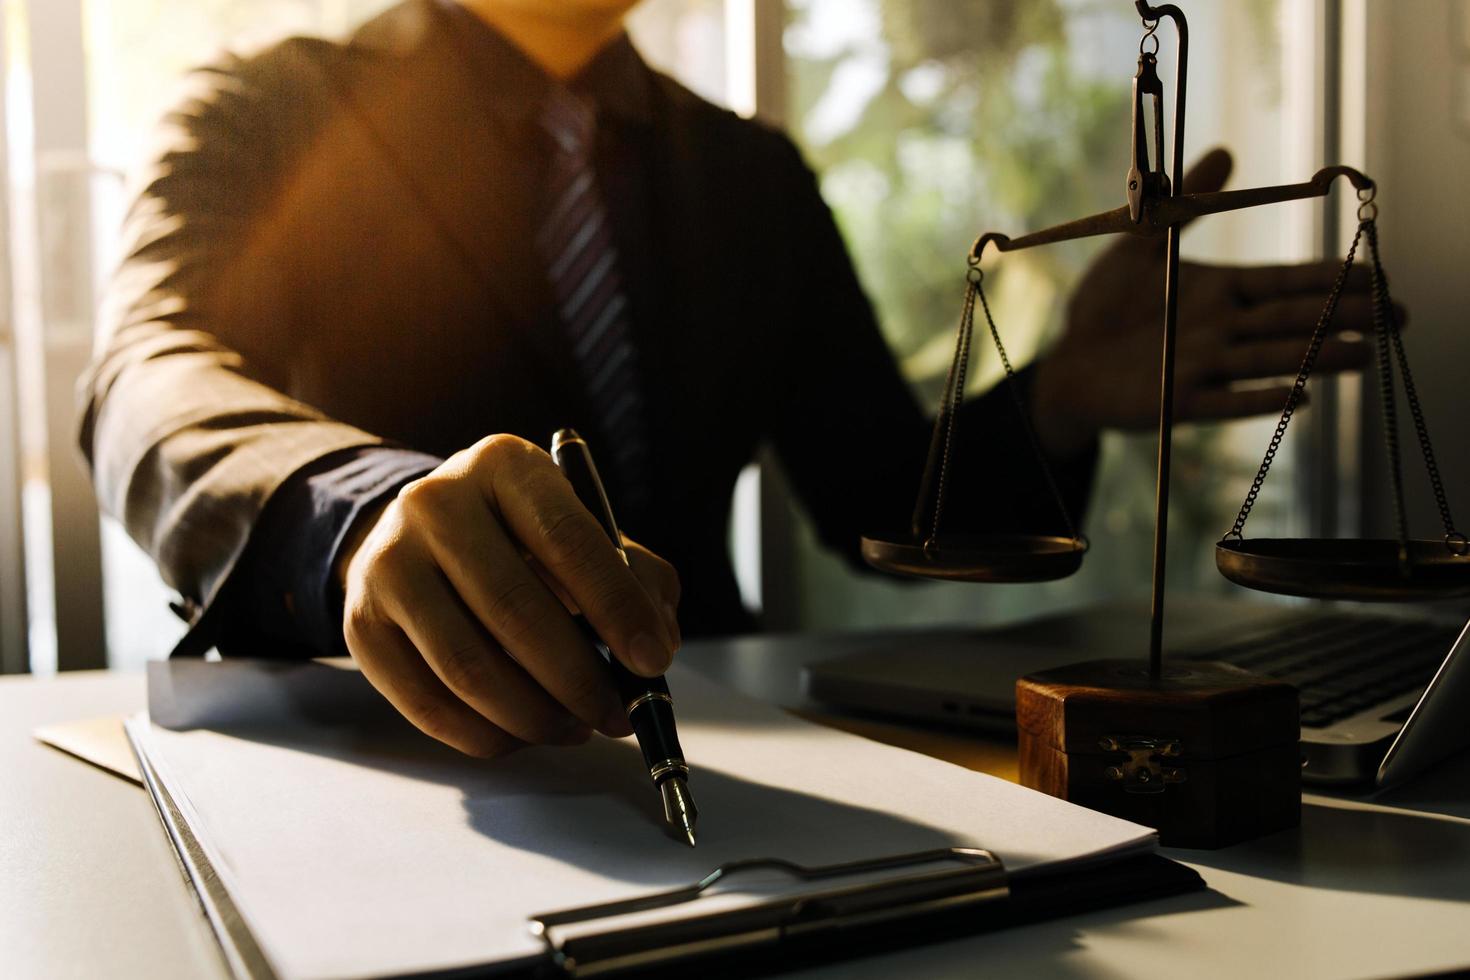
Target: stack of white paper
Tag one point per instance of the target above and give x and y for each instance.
(351, 845)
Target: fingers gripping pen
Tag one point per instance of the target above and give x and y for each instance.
(647, 700)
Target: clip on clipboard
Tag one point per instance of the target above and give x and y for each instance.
(974, 877)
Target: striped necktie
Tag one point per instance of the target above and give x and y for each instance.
(576, 243)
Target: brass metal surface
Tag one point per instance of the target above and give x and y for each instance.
(1365, 570)
(978, 557)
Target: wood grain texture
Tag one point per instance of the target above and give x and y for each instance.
(1239, 734)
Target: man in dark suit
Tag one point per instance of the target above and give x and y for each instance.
(364, 280)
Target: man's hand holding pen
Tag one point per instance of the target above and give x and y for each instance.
(460, 595)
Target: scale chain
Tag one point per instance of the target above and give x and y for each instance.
(1294, 397)
(1411, 395)
(954, 394)
(953, 397)
(1387, 398)
(1388, 347)
(1022, 414)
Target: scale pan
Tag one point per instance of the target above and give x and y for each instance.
(977, 557)
(1365, 570)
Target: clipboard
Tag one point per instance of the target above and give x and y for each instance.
(972, 878)
(974, 895)
(736, 917)
(937, 894)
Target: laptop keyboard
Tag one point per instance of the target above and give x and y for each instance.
(1343, 664)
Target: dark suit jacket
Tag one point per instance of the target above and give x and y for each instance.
(320, 257)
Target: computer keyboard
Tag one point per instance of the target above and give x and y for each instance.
(1342, 664)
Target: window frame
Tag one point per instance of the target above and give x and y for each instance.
(14, 617)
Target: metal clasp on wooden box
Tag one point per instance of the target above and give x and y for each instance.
(1143, 772)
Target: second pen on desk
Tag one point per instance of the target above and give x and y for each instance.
(647, 700)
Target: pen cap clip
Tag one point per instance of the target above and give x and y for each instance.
(572, 455)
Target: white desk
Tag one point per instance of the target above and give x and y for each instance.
(89, 886)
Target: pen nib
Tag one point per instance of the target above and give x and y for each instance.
(680, 813)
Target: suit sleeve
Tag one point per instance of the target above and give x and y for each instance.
(851, 436)
(183, 417)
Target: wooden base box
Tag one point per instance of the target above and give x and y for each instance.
(1208, 754)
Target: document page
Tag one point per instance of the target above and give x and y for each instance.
(352, 845)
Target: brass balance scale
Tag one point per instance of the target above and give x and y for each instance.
(1205, 752)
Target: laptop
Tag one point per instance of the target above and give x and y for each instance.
(1383, 694)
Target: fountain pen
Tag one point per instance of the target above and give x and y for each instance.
(647, 700)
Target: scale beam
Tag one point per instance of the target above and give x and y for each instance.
(1161, 214)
